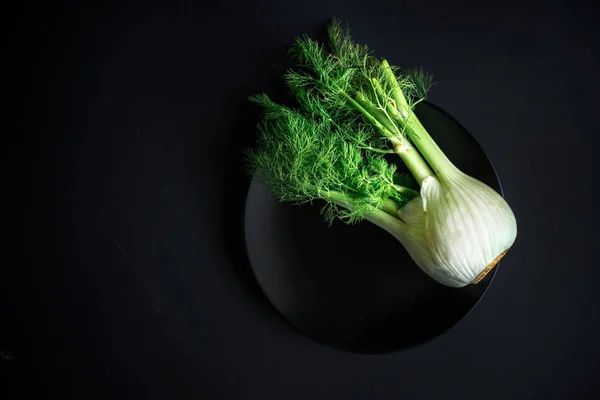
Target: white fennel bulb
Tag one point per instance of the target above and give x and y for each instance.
(456, 232)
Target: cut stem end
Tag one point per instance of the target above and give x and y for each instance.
(487, 269)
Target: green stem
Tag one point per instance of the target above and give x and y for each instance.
(390, 207)
(337, 197)
(405, 190)
(383, 218)
(389, 103)
(380, 151)
(383, 119)
(359, 107)
(413, 160)
(401, 103)
(409, 155)
(407, 152)
(429, 148)
(390, 223)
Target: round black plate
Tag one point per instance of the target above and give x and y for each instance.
(355, 287)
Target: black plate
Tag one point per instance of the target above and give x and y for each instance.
(355, 287)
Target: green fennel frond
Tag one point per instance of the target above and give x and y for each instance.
(351, 110)
(345, 77)
(343, 48)
(303, 155)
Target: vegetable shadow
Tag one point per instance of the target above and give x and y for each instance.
(240, 135)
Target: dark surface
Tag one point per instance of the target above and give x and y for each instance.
(122, 276)
(355, 287)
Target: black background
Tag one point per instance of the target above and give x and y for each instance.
(122, 276)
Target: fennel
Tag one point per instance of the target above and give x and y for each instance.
(352, 109)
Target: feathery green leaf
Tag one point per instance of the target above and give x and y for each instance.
(303, 155)
(331, 147)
